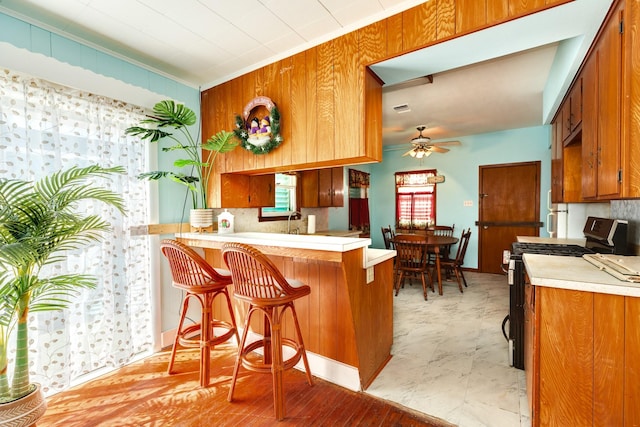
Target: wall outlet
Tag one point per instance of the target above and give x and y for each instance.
(468, 203)
(369, 274)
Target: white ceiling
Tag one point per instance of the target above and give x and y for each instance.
(488, 81)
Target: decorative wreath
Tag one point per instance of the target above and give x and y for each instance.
(262, 143)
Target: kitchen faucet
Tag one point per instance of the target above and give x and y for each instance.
(289, 221)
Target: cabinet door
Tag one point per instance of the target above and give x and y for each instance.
(566, 119)
(631, 357)
(309, 189)
(244, 191)
(331, 187)
(325, 187)
(576, 104)
(590, 128)
(609, 50)
(530, 350)
(556, 163)
(566, 356)
(262, 191)
(337, 184)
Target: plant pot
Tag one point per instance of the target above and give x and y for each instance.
(201, 218)
(25, 411)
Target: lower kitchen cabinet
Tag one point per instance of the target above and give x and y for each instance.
(582, 357)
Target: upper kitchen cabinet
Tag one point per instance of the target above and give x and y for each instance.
(329, 100)
(572, 112)
(322, 187)
(331, 187)
(609, 129)
(602, 114)
(557, 178)
(244, 191)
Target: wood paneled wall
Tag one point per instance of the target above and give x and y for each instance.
(330, 105)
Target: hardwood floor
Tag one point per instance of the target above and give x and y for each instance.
(142, 394)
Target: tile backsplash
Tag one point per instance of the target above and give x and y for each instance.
(247, 220)
(629, 210)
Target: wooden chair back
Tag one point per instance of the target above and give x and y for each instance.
(387, 235)
(411, 254)
(462, 247)
(189, 270)
(256, 279)
(441, 230)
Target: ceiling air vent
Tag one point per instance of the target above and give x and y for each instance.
(402, 108)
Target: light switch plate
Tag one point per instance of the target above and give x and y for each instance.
(468, 203)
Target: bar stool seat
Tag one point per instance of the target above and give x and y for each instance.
(200, 281)
(258, 281)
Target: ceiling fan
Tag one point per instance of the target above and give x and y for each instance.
(423, 147)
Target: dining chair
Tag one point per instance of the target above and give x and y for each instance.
(411, 259)
(455, 265)
(387, 235)
(200, 281)
(257, 281)
(442, 230)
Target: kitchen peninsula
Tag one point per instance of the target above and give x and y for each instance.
(347, 320)
(582, 343)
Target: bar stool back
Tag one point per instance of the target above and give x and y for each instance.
(258, 281)
(200, 281)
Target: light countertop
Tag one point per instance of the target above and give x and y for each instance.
(575, 273)
(372, 256)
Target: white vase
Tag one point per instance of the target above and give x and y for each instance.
(201, 218)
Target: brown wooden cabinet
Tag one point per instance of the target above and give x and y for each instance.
(577, 357)
(331, 187)
(590, 129)
(609, 51)
(245, 191)
(602, 114)
(557, 177)
(322, 188)
(596, 118)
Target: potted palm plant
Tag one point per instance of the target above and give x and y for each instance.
(200, 156)
(39, 221)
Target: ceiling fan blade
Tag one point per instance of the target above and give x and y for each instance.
(446, 143)
(437, 149)
(408, 152)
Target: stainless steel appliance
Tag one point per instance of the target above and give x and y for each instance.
(603, 235)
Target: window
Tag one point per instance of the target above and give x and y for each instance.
(46, 127)
(286, 200)
(415, 200)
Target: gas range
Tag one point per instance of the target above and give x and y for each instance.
(603, 236)
(519, 248)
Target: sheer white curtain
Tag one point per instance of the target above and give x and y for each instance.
(44, 128)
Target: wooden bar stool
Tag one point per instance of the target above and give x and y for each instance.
(258, 281)
(201, 281)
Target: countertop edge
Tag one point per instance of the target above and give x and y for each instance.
(295, 241)
(375, 256)
(565, 273)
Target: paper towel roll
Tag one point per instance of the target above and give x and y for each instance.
(311, 224)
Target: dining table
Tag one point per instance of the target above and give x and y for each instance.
(434, 243)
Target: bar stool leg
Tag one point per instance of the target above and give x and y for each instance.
(205, 340)
(183, 314)
(277, 364)
(241, 346)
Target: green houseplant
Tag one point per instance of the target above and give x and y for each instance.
(200, 156)
(39, 221)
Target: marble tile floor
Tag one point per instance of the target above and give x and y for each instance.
(450, 356)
